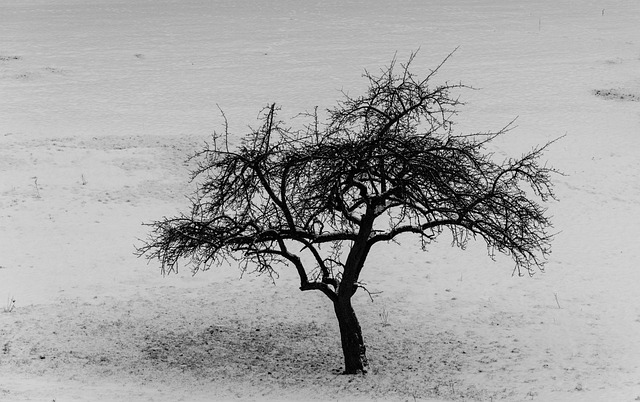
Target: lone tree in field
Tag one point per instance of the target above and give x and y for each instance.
(320, 197)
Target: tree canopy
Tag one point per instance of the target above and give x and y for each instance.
(383, 164)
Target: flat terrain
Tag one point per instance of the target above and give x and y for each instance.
(101, 103)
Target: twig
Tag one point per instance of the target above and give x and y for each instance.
(362, 285)
(11, 304)
(557, 302)
(35, 183)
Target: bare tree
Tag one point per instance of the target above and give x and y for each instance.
(318, 198)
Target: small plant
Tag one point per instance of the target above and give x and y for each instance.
(384, 315)
(10, 305)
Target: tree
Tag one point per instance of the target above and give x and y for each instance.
(318, 198)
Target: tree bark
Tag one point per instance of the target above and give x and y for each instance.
(353, 347)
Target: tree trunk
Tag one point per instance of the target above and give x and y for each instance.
(355, 358)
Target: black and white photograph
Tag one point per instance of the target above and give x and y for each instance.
(245, 200)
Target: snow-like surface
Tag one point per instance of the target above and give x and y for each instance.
(102, 100)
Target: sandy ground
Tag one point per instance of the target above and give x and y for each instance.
(101, 102)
